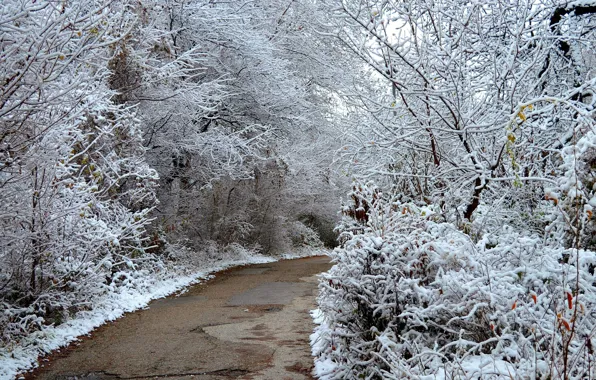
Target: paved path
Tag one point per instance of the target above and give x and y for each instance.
(246, 323)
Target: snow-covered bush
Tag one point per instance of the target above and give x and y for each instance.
(75, 189)
(410, 297)
(574, 195)
(304, 236)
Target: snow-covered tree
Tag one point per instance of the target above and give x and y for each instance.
(75, 189)
(237, 118)
(475, 263)
(479, 97)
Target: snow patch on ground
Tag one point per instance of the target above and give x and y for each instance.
(305, 252)
(324, 368)
(23, 356)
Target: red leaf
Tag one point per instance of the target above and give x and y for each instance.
(566, 324)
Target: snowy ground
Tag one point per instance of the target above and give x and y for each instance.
(325, 368)
(304, 252)
(23, 356)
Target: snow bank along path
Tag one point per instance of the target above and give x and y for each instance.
(251, 321)
(23, 356)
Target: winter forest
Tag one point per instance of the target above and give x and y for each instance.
(444, 149)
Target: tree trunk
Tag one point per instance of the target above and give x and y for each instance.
(478, 187)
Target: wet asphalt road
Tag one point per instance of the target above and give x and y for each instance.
(250, 322)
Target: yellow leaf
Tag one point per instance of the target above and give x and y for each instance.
(521, 115)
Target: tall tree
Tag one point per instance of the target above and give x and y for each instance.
(75, 189)
(478, 96)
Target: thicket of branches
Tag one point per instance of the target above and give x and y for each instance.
(411, 296)
(75, 188)
(135, 132)
(476, 262)
(482, 96)
(243, 135)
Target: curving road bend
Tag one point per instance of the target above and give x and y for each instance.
(250, 322)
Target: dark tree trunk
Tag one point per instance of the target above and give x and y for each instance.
(478, 187)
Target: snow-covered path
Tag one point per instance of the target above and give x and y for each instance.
(251, 322)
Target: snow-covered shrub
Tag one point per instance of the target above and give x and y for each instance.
(574, 195)
(209, 253)
(409, 297)
(304, 236)
(75, 188)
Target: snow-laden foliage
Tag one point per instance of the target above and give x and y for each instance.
(412, 297)
(574, 194)
(482, 126)
(235, 101)
(75, 190)
(474, 100)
